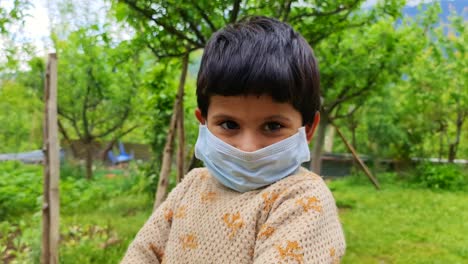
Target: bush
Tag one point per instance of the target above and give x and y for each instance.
(438, 176)
(20, 189)
(89, 232)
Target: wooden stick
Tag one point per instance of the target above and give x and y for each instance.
(180, 143)
(359, 161)
(163, 183)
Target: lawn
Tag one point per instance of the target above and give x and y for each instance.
(401, 223)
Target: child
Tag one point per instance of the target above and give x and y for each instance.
(258, 98)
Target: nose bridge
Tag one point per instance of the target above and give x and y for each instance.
(249, 141)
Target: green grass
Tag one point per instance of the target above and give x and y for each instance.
(402, 224)
(98, 218)
(103, 235)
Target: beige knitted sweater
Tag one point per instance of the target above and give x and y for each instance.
(291, 221)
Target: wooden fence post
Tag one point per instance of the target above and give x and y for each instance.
(50, 208)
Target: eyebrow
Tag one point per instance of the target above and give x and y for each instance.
(223, 116)
(273, 117)
(282, 117)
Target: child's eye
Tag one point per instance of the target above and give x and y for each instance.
(229, 125)
(272, 126)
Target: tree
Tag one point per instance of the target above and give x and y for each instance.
(98, 83)
(360, 63)
(21, 118)
(437, 86)
(422, 113)
(12, 13)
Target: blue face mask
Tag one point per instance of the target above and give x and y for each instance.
(245, 171)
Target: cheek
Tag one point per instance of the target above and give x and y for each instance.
(218, 132)
(280, 138)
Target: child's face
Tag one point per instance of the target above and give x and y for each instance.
(251, 122)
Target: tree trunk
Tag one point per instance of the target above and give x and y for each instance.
(329, 140)
(168, 147)
(89, 160)
(111, 144)
(107, 148)
(316, 164)
(67, 139)
(453, 147)
(180, 143)
(441, 144)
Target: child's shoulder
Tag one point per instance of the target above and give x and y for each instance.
(197, 177)
(302, 177)
(301, 183)
(197, 174)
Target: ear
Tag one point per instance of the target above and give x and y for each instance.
(199, 116)
(310, 128)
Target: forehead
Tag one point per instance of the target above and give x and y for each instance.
(251, 107)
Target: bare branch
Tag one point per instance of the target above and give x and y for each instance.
(192, 26)
(349, 114)
(286, 10)
(120, 123)
(343, 97)
(72, 120)
(113, 141)
(84, 111)
(204, 16)
(339, 9)
(167, 27)
(235, 11)
(160, 55)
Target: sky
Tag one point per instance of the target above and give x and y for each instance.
(408, 2)
(37, 24)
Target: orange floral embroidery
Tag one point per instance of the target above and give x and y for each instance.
(335, 259)
(180, 212)
(310, 203)
(189, 241)
(208, 196)
(269, 199)
(168, 214)
(157, 251)
(266, 231)
(292, 250)
(233, 222)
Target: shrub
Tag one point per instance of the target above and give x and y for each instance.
(438, 176)
(20, 189)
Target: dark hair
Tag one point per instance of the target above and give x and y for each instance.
(256, 56)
